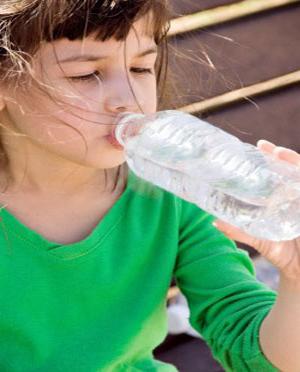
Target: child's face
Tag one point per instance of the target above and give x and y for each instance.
(95, 99)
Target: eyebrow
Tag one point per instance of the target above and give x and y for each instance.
(90, 57)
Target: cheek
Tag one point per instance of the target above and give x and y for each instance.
(80, 106)
(153, 99)
(47, 124)
(79, 109)
(147, 96)
(85, 120)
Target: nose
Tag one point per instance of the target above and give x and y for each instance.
(120, 97)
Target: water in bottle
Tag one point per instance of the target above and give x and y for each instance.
(215, 170)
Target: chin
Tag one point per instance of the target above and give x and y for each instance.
(98, 156)
(106, 161)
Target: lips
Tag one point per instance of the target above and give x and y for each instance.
(113, 141)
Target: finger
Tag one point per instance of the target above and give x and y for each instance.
(280, 152)
(287, 154)
(265, 145)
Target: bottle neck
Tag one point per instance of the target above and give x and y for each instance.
(127, 125)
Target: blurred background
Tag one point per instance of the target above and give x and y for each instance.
(236, 65)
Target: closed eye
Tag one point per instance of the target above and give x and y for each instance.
(138, 70)
(97, 74)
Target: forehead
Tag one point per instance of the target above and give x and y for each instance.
(139, 38)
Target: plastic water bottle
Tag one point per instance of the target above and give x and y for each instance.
(203, 164)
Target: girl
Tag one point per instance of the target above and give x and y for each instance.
(88, 249)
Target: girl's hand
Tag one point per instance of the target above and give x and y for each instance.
(285, 255)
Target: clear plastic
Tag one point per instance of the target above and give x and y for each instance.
(204, 165)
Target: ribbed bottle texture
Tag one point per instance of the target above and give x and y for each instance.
(213, 169)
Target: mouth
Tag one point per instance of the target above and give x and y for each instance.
(113, 141)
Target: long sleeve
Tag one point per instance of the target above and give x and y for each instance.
(227, 303)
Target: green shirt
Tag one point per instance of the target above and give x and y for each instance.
(100, 304)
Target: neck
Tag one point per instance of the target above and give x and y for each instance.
(35, 171)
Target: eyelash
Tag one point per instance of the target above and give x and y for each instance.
(98, 74)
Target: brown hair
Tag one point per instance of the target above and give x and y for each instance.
(25, 24)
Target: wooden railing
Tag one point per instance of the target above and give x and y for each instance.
(221, 14)
(243, 93)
